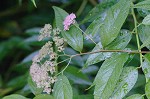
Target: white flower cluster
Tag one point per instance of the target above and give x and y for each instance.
(44, 64)
(45, 32)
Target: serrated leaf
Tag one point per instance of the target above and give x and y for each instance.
(143, 5)
(43, 96)
(97, 11)
(126, 82)
(135, 96)
(146, 68)
(33, 87)
(62, 88)
(120, 42)
(14, 96)
(73, 74)
(115, 17)
(146, 20)
(74, 35)
(108, 75)
(143, 31)
(147, 89)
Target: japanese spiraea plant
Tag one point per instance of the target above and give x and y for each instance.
(52, 75)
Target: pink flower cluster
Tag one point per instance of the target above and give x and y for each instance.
(68, 21)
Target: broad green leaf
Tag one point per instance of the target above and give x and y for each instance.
(147, 89)
(144, 5)
(62, 88)
(115, 17)
(108, 75)
(77, 77)
(17, 82)
(97, 57)
(126, 82)
(120, 42)
(146, 68)
(33, 1)
(146, 42)
(74, 38)
(146, 20)
(93, 28)
(90, 70)
(43, 96)
(14, 96)
(97, 11)
(83, 97)
(33, 87)
(143, 31)
(135, 96)
(143, 12)
(74, 35)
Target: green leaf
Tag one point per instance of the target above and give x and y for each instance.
(14, 96)
(74, 38)
(17, 82)
(62, 88)
(146, 68)
(120, 42)
(43, 96)
(126, 82)
(108, 75)
(146, 20)
(135, 96)
(77, 77)
(83, 97)
(146, 42)
(143, 12)
(144, 5)
(147, 89)
(97, 11)
(33, 87)
(115, 17)
(33, 1)
(93, 28)
(74, 35)
(97, 57)
(143, 31)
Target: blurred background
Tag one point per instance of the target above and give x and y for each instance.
(20, 22)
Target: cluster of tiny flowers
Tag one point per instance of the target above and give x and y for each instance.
(68, 21)
(45, 32)
(43, 71)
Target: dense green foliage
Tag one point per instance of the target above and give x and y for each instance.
(106, 49)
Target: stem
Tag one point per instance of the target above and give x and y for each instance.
(86, 35)
(124, 51)
(63, 61)
(81, 8)
(65, 67)
(137, 37)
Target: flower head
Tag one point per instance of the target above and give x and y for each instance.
(68, 21)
